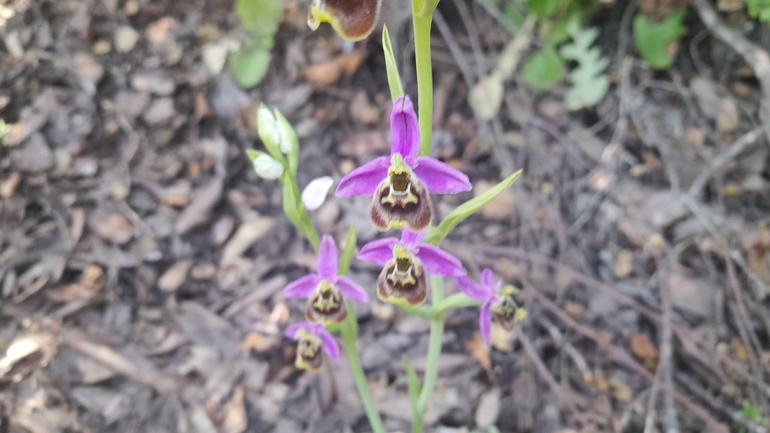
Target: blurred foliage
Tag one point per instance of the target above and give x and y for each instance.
(260, 18)
(3, 130)
(759, 9)
(655, 41)
(751, 413)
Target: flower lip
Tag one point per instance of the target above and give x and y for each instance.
(305, 330)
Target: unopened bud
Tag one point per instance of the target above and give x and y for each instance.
(268, 127)
(267, 167)
(314, 194)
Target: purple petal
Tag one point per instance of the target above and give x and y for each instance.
(440, 262)
(292, 330)
(352, 290)
(301, 288)
(330, 345)
(474, 290)
(440, 178)
(410, 238)
(328, 260)
(485, 321)
(487, 277)
(379, 251)
(365, 179)
(404, 129)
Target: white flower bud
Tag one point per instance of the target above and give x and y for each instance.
(315, 192)
(268, 127)
(267, 167)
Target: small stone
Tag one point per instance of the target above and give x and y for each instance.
(215, 54)
(112, 227)
(125, 39)
(34, 156)
(246, 235)
(159, 111)
(13, 44)
(695, 137)
(222, 230)
(101, 47)
(131, 104)
(175, 276)
(728, 119)
(131, 8)
(488, 409)
(88, 69)
(156, 83)
(203, 272)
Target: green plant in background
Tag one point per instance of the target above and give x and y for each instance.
(750, 413)
(655, 40)
(589, 84)
(3, 130)
(260, 18)
(759, 9)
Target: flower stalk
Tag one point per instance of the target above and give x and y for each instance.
(422, 24)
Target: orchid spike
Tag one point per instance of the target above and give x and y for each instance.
(313, 342)
(406, 265)
(497, 304)
(353, 20)
(326, 290)
(400, 185)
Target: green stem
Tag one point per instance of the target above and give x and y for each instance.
(422, 24)
(424, 312)
(434, 353)
(458, 300)
(350, 336)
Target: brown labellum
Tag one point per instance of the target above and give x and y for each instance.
(309, 354)
(403, 280)
(327, 305)
(504, 312)
(353, 20)
(401, 201)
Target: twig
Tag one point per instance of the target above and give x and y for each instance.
(566, 397)
(742, 144)
(652, 403)
(620, 356)
(667, 351)
(757, 58)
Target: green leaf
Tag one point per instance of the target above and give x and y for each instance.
(349, 251)
(3, 130)
(493, 429)
(589, 83)
(413, 385)
(751, 412)
(394, 80)
(653, 39)
(290, 201)
(259, 15)
(544, 8)
(543, 69)
(249, 66)
(254, 154)
(437, 234)
(513, 16)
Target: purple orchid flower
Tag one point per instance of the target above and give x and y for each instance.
(496, 304)
(312, 339)
(326, 290)
(401, 184)
(407, 263)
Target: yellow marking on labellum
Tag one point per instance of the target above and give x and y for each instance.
(327, 301)
(400, 183)
(402, 272)
(308, 351)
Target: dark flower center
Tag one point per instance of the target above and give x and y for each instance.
(400, 181)
(403, 264)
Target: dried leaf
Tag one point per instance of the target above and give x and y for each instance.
(479, 350)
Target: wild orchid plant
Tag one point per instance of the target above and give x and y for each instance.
(400, 186)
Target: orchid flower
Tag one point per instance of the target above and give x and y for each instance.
(313, 338)
(326, 290)
(407, 263)
(400, 184)
(498, 304)
(353, 20)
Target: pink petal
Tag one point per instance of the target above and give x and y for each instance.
(487, 277)
(365, 179)
(330, 345)
(410, 238)
(328, 260)
(352, 290)
(404, 129)
(440, 262)
(302, 288)
(292, 330)
(439, 177)
(379, 251)
(485, 321)
(474, 290)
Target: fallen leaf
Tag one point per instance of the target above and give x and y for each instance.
(258, 343)
(624, 264)
(323, 74)
(112, 227)
(479, 350)
(236, 420)
(175, 276)
(488, 409)
(620, 390)
(197, 212)
(248, 233)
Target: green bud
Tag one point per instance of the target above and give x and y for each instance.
(269, 131)
(267, 167)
